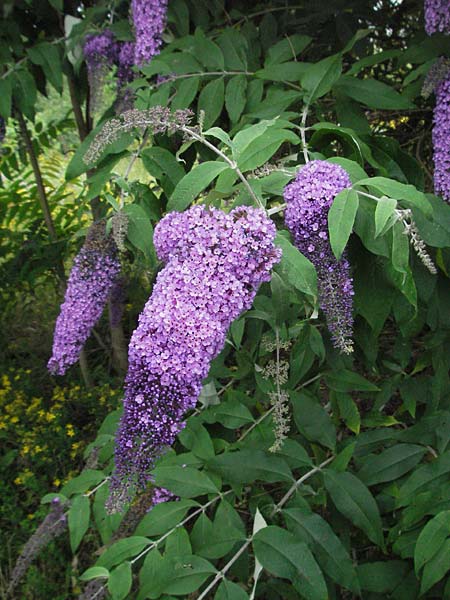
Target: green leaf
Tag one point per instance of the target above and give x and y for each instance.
(381, 577)
(384, 215)
(288, 71)
(121, 550)
(94, 573)
(47, 56)
(391, 464)
(349, 411)
(120, 580)
(186, 92)
(178, 543)
(436, 568)
(282, 555)
(400, 191)
(341, 217)
(349, 381)
(81, 483)
(228, 590)
(163, 517)
(287, 49)
(263, 147)
(78, 520)
(165, 162)
(211, 101)
(184, 481)
(196, 438)
(188, 574)
(354, 501)
(321, 76)
(5, 97)
(327, 548)
(299, 271)
(431, 539)
(193, 183)
(24, 92)
(235, 97)
(140, 230)
(312, 420)
(209, 53)
(372, 93)
(422, 478)
(246, 466)
(231, 413)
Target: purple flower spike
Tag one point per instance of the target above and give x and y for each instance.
(437, 16)
(149, 18)
(309, 198)
(441, 137)
(93, 275)
(214, 265)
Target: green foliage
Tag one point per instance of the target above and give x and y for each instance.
(355, 502)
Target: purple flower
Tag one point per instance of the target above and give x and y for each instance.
(100, 52)
(441, 139)
(215, 263)
(93, 274)
(309, 198)
(149, 18)
(437, 16)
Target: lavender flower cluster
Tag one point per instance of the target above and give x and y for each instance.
(437, 16)
(149, 19)
(215, 263)
(91, 279)
(441, 137)
(309, 198)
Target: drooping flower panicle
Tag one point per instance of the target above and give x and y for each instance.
(437, 16)
(149, 20)
(309, 198)
(215, 263)
(91, 279)
(441, 139)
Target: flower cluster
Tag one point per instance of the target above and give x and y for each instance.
(149, 19)
(156, 119)
(93, 274)
(117, 297)
(441, 133)
(437, 16)
(215, 263)
(309, 198)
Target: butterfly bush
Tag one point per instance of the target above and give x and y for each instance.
(91, 280)
(308, 199)
(100, 53)
(437, 16)
(149, 19)
(215, 263)
(441, 137)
